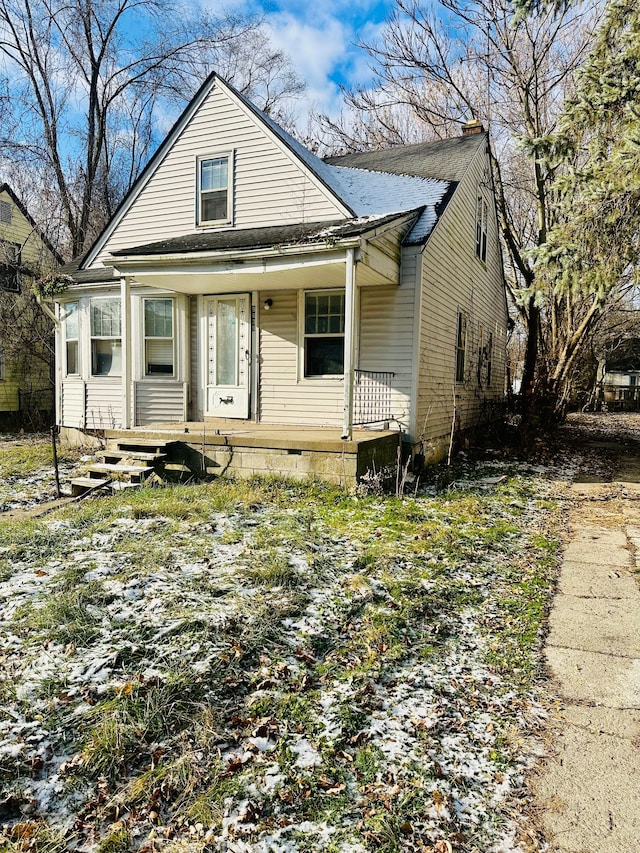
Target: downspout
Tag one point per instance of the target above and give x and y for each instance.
(125, 331)
(349, 340)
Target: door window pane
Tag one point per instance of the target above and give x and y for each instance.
(226, 343)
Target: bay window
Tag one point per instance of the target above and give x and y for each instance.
(71, 335)
(106, 337)
(158, 337)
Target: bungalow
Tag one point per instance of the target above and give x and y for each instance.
(26, 334)
(246, 287)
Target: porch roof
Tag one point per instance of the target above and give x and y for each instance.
(273, 257)
(272, 236)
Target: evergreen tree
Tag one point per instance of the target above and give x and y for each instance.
(591, 253)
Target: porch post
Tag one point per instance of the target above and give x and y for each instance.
(125, 331)
(349, 339)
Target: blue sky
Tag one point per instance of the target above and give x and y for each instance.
(320, 36)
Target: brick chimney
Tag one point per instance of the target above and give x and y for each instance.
(472, 127)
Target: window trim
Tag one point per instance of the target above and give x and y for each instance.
(324, 291)
(229, 155)
(93, 337)
(154, 377)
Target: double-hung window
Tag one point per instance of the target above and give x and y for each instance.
(158, 337)
(323, 333)
(482, 216)
(71, 336)
(214, 190)
(106, 337)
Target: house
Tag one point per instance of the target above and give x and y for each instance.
(246, 287)
(26, 334)
(621, 380)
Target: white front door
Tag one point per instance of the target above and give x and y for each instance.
(228, 355)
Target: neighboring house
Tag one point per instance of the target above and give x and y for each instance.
(621, 382)
(245, 279)
(26, 335)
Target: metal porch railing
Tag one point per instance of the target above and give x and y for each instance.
(372, 396)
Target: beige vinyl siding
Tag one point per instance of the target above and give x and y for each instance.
(270, 186)
(387, 336)
(72, 400)
(159, 402)
(284, 399)
(455, 279)
(104, 404)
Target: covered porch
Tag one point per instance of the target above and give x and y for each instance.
(274, 324)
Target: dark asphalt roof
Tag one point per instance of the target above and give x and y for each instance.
(97, 275)
(445, 159)
(263, 238)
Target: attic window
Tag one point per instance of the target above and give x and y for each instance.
(214, 190)
(5, 212)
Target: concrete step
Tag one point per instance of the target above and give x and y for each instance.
(137, 455)
(116, 469)
(80, 485)
(154, 445)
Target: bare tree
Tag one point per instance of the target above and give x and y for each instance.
(85, 80)
(451, 61)
(26, 333)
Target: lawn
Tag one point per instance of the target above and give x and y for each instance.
(268, 666)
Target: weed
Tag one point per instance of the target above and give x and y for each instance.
(118, 841)
(272, 568)
(32, 835)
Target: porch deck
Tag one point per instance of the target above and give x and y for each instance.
(229, 447)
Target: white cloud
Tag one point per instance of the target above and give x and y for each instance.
(315, 51)
(320, 38)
